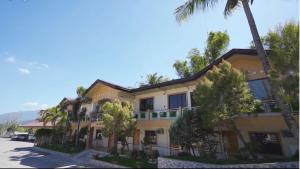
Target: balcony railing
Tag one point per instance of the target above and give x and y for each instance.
(161, 114)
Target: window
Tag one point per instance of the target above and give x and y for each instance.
(176, 101)
(258, 88)
(150, 137)
(146, 104)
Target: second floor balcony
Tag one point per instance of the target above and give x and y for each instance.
(267, 107)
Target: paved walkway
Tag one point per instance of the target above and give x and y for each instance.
(17, 154)
(171, 163)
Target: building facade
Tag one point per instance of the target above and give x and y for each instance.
(156, 107)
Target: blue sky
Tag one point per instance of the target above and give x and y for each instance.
(49, 47)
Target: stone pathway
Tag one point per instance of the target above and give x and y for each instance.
(172, 163)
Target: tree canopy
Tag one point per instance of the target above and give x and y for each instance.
(284, 57)
(154, 78)
(216, 45)
(222, 94)
(118, 120)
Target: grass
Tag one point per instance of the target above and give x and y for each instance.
(230, 161)
(132, 163)
(63, 148)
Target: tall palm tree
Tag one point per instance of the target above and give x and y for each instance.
(76, 108)
(55, 116)
(184, 11)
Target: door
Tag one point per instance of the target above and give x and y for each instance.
(90, 138)
(230, 142)
(136, 137)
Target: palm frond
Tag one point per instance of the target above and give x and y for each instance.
(230, 6)
(184, 11)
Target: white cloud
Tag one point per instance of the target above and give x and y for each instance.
(10, 59)
(31, 104)
(35, 105)
(24, 71)
(44, 106)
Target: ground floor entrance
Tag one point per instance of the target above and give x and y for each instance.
(268, 143)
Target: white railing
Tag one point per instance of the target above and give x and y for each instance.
(161, 114)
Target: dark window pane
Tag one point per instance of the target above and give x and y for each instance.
(146, 104)
(258, 89)
(176, 101)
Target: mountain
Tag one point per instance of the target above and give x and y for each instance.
(21, 116)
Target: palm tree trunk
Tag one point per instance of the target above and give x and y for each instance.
(286, 112)
(77, 133)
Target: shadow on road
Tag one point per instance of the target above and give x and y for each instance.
(29, 157)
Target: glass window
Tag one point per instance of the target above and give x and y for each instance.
(258, 88)
(146, 104)
(178, 100)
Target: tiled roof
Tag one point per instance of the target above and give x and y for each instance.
(37, 123)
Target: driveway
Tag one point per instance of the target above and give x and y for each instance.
(17, 154)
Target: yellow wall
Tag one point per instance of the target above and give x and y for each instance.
(248, 63)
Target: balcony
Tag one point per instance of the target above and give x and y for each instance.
(161, 114)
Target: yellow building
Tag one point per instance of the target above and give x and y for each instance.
(157, 106)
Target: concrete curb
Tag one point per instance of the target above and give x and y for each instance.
(44, 150)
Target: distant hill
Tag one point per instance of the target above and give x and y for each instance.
(21, 116)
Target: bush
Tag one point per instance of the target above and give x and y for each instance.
(43, 132)
(43, 136)
(183, 154)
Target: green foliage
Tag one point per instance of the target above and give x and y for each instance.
(55, 116)
(11, 126)
(182, 132)
(222, 94)
(184, 11)
(43, 132)
(284, 57)
(80, 91)
(154, 79)
(182, 68)
(217, 43)
(196, 64)
(118, 120)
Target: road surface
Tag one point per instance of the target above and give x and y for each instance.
(17, 154)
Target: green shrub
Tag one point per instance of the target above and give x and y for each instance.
(43, 132)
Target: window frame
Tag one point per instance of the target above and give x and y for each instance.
(174, 94)
(268, 95)
(146, 98)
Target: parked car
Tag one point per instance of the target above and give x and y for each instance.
(19, 137)
(31, 137)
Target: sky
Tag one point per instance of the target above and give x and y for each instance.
(49, 47)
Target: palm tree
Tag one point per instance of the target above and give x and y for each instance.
(184, 11)
(55, 116)
(76, 108)
(153, 79)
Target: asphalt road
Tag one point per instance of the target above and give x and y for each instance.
(17, 154)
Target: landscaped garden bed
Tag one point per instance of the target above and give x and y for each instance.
(128, 162)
